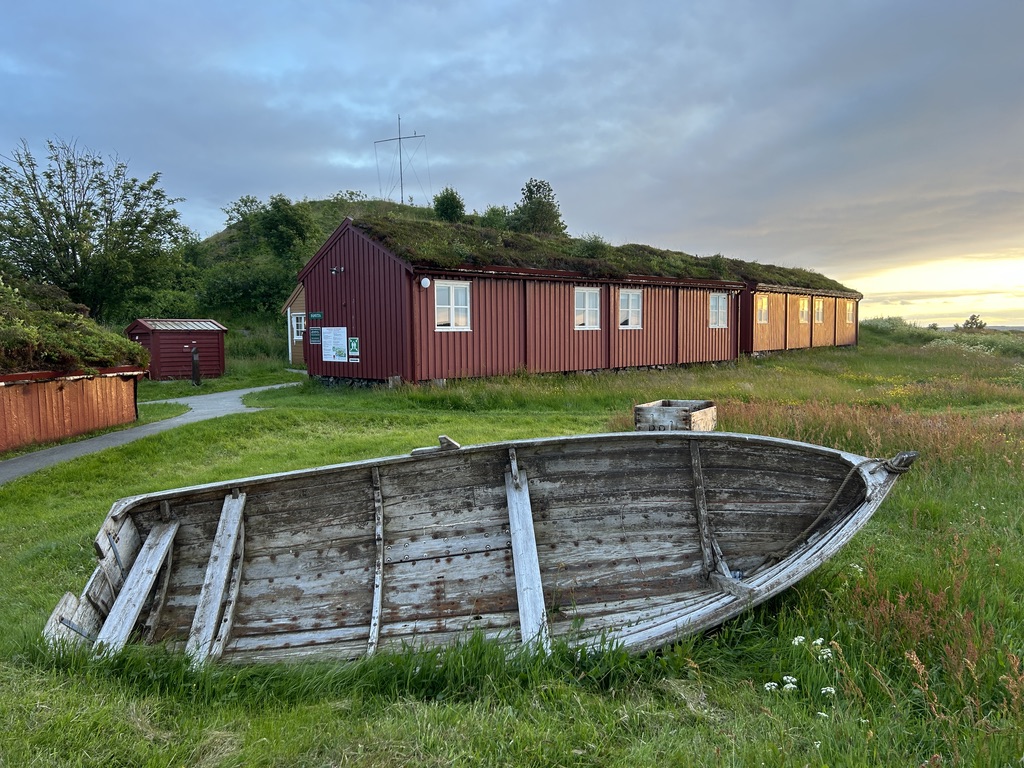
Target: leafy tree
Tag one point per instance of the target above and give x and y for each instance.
(254, 267)
(448, 205)
(537, 212)
(495, 217)
(972, 323)
(82, 223)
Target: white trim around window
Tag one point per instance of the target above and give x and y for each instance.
(631, 309)
(298, 325)
(804, 310)
(718, 310)
(451, 306)
(819, 311)
(587, 316)
(849, 312)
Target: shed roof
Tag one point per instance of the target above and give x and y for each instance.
(443, 245)
(154, 324)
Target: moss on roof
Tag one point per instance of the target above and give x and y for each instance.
(443, 245)
(42, 330)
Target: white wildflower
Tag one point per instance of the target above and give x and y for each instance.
(828, 690)
(788, 679)
(799, 640)
(823, 715)
(817, 745)
(819, 642)
(789, 687)
(771, 686)
(825, 654)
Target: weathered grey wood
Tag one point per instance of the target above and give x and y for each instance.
(378, 571)
(154, 553)
(61, 627)
(117, 546)
(711, 553)
(533, 622)
(634, 536)
(211, 614)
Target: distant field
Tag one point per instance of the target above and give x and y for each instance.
(904, 650)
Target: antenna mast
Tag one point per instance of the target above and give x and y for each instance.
(401, 162)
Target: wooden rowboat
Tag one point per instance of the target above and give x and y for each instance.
(634, 538)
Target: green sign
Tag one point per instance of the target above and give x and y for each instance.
(314, 336)
(316, 315)
(353, 346)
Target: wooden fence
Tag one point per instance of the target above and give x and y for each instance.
(43, 407)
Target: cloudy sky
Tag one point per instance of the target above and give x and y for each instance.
(878, 142)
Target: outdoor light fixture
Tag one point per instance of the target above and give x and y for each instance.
(425, 282)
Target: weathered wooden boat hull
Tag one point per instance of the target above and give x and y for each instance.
(630, 538)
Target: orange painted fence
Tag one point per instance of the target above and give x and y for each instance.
(43, 407)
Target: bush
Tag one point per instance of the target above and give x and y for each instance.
(449, 206)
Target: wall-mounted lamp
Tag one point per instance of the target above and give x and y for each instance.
(424, 282)
(336, 270)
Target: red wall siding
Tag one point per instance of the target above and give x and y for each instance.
(552, 343)
(652, 344)
(495, 346)
(371, 298)
(697, 342)
(45, 411)
(172, 355)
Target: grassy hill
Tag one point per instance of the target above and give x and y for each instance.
(413, 233)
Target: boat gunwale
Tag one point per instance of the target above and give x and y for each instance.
(124, 506)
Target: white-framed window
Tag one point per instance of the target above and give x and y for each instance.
(451, 306)
(762, 310)
(804, 310)
(588, 309)
(849, 312)
(819, 310)
(718, 311)
(631, 309)
(298, 325)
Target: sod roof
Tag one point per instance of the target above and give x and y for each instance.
(443, 245)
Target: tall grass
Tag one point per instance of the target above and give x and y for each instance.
(903, 650)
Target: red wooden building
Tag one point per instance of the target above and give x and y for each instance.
(374, 315)
(170, 344)
(776, 317)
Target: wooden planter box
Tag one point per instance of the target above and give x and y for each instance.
(46, 406)
(672, 415)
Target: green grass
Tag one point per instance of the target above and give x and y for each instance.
(920, 615)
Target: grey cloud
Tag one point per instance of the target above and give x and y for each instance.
(810, 134)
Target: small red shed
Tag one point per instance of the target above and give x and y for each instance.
(170, 344)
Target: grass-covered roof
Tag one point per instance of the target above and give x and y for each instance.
(444, 245)
(42, 330)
